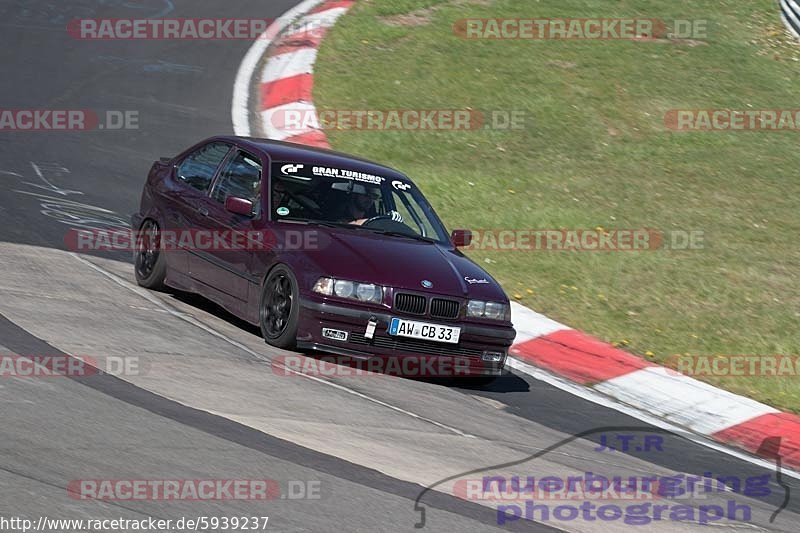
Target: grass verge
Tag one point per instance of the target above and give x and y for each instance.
(594, 152)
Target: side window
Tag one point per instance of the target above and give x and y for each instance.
(198, 169)
(241, 177)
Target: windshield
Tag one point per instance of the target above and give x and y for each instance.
(352, 199)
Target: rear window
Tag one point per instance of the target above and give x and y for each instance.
(198, 168)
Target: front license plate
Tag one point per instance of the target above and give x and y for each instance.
(424, 330)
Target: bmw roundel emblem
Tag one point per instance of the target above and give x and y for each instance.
(427, 284)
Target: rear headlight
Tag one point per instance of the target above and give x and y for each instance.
(490, 310)
(352, 290)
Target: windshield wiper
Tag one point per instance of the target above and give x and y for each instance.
(323, 223)
(401, 234)
(331, 224)
(313, 222)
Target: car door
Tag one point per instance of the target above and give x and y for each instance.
(184, 193)
(225, 264)
(187, 196)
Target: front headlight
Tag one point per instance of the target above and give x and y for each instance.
(475, 308)
(490, 310)
(367, 292)
(352, 290)
(495, 311)
(343, 288)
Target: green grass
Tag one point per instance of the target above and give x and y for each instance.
(595, 152)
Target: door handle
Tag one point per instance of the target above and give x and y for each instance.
(203, 211)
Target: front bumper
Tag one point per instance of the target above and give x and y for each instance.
(467, 358)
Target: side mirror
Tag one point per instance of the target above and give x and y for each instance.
(240, 206)
(461, 237)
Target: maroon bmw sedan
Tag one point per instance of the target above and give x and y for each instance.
(323, 251)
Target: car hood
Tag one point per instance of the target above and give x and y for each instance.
(400, 262)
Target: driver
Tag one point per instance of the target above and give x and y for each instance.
(360, 205)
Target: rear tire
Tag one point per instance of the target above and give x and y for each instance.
(279, 308)
(150, 265)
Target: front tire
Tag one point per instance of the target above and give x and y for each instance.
(279, 308)
(150, 265)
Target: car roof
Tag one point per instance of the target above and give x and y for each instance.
(292, 152)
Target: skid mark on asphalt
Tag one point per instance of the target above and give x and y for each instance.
(20, 12)
(193, 321)
(151, 65)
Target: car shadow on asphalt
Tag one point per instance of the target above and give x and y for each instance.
(333, 365)
(508, 382)
(210, 307)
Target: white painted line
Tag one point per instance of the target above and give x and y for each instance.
(290, 64)
(193, 321)
(287, 120)
(530, 324)
(612, 403)
(683, 400)
(240, 104)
